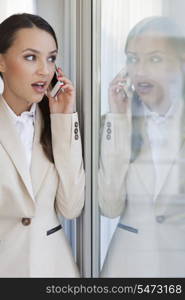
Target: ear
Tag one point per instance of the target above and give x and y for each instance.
(2, 64)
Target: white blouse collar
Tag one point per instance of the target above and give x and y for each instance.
(156, 117)
(23, 115)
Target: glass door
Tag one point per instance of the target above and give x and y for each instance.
(131, 177)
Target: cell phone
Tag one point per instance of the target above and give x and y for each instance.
(126, 87)
(56, 84)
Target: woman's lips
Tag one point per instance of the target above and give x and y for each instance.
(39, 86)
(144, 87)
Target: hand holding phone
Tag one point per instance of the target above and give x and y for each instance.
(61, 94)
(120, 92)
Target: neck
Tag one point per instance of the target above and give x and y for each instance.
(160, 108)
(16, 104)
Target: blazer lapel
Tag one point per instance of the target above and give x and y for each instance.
(170, 153)
(165, 166)
(146, 169)
(144, 162)
(39, 162)
(12, 144)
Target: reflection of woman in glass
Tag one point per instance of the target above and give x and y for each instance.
(41, 167)
(142, 166)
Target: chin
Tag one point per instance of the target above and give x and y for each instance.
(148, 100)
(37, 99)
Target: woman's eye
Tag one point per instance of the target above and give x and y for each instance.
(30, 57)
(156, 59)
(132, 59)
(52, 58)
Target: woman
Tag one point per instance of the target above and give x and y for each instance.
(41, 174)
(141, 176)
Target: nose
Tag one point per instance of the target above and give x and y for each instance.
(141, 69)
(43, 68)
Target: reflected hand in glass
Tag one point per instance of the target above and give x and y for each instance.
(120, 92)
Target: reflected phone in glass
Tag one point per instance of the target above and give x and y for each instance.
(125, 86)
(128, 87)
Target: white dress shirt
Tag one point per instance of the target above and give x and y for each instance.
(25, 128)
(164, 134)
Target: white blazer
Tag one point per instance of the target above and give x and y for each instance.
(149, 239)
(31, 244)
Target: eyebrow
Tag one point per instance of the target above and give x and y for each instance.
(149, 53)
(156, 52)
(36, 51)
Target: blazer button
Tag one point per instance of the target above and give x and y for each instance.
(109, 130)
(108, 124)
(26, 221)
(160, 219)
(76, 130)
(76, 136)
(108, 136)
(76, 124)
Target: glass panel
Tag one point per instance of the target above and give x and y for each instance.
(141, 180)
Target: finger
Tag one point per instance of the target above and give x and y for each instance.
(122, 89)
(119, 81)
(117, 87)
(64, 79)
(60, 71)
(67, 87)
(118, 91)
(119, 78)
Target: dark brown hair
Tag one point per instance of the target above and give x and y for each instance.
(8, 30)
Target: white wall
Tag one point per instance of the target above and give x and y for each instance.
(9, 7)
(52, 12)
(60, 14)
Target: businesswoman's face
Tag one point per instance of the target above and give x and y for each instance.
(28, 65)
(155, 69)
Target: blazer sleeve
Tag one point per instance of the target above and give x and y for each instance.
(67, 151)
(113, 163)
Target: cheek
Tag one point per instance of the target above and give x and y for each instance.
(172, 71)
(131, 73)
(162, 77)
(161, 90)
(162, 86)
(52, 72)
(174, 79)
(16, 76)
(17, 68)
